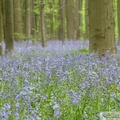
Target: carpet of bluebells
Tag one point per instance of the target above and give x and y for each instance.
(58, 82)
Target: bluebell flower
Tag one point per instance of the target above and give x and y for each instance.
(56, 109)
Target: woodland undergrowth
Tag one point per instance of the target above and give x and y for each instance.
(59, 82)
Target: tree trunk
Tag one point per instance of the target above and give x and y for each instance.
(50, 17)
(1, 27)
(43, 31)
(70, 19)
(18, 31)
(86, 20)
(9, 26)
(78, 16)
(61, 31)
(118, 12)
(27, 25)
(33, 21)
(101, 27)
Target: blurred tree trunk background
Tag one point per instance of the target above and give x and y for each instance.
(1, 26)
(70, 19)
(62, 14)
(43, 29)
(118, 15)
(18, 27)
(9, 26)
(59, 20)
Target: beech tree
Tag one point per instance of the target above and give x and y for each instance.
(33, 20)
(86, 20)
(8, 29)
(43, 30)
(61, 31)
(50, 21)
(27, 19)
(70, 19)
(18, 30)
(1, 27)
(101, 27)
(118, 11)
(78, 23)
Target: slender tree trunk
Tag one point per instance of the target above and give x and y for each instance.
(33, 21)
(70, 19)
(101, 27)
(77, 19)
(56, 27)
(43, 30)
(18, 31)
(9, 26)
(3, 13)
(1, 27)
(86, 20)
(61, 31)
(78, 7)
(27, 25)
(50, 17)
(118, 11)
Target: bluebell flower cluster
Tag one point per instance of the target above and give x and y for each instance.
(52, 84)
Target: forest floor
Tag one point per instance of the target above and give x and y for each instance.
(58, 82)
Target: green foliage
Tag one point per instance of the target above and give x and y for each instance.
(80, 51)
